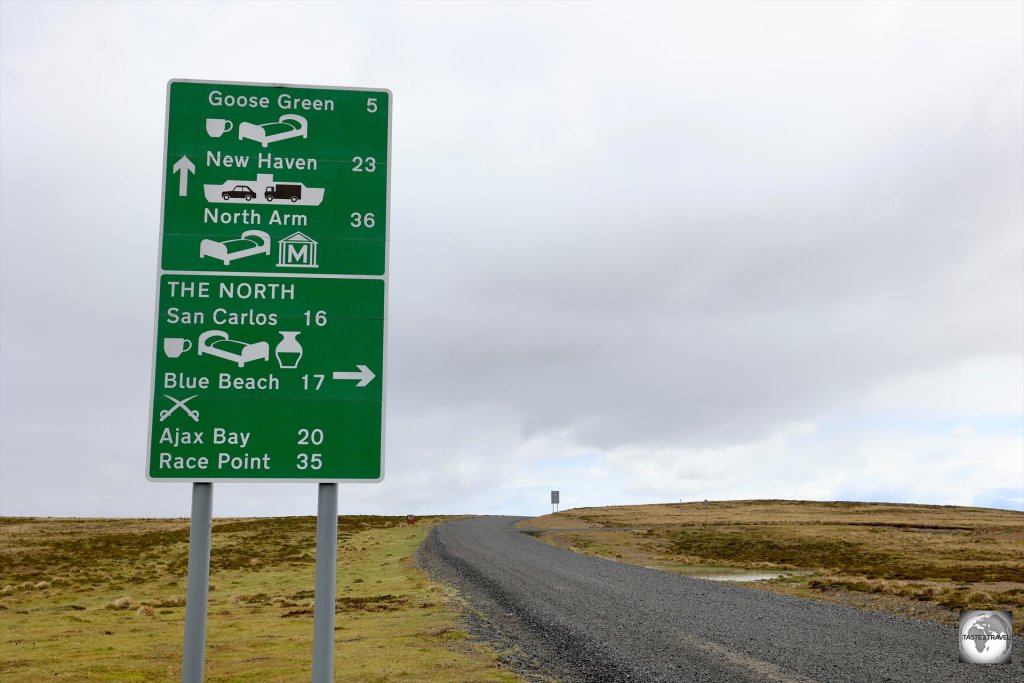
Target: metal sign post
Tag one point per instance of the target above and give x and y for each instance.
(196, 596)
(554, 501)
(326, 582)
(269, 357)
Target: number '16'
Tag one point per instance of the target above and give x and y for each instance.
(319, 317)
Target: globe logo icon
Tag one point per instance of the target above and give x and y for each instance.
(985, 636)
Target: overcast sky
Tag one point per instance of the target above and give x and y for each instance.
(639, 252)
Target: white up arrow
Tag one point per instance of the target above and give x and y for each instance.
(365, 375)
(184, 167)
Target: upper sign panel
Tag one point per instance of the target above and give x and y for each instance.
(276, 179)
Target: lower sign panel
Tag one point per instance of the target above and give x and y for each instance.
(265, 379)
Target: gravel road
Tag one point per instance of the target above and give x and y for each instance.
(557, 614)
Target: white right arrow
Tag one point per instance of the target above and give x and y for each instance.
(365, 375)
(183, 166)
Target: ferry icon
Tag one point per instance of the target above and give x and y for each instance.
(233, 190)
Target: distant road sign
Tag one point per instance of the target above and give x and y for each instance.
(271, 316)
(554, 497)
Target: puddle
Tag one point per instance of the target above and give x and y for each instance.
(713, 573)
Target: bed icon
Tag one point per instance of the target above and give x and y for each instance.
(250, 243)
(217, 343)
(288, 126)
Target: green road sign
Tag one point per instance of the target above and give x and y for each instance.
(271, 312)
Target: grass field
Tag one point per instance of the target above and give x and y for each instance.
(103, 600)
(920, 561)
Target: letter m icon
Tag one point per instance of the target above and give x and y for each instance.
(297, 251)
(298, 254)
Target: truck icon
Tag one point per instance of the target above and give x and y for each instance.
(283, 191)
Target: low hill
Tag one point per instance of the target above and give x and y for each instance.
(918, 561)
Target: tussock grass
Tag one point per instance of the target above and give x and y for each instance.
(103, 600)
(123, 603)
(923, 561)
(172, 601)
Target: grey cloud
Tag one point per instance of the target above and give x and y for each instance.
(690, 327)
(644, 229)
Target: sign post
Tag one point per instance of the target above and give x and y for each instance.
(269, 361)
(196, 597)
(326, 582)
(554, 501)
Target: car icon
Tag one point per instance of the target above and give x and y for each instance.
(239, 192)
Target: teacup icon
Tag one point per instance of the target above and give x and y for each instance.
(175, 346)
(217, 127)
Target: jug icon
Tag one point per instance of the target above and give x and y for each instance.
(289, 350)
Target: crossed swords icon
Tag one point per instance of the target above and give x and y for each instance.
(194, 414)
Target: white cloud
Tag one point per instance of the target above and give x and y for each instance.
(982, 387)
(954, 468)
